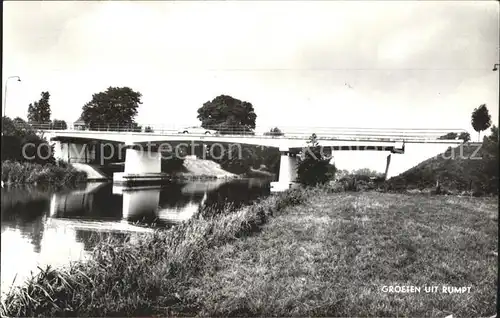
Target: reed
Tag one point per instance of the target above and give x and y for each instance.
(14, 173)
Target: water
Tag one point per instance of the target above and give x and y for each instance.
(42, 227)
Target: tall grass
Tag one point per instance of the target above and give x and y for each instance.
(142, 277)
(14, 172)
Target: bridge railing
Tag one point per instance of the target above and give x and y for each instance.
(322, 133)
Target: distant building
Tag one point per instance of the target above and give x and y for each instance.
(79, 124)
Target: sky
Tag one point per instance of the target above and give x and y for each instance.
(408, 64)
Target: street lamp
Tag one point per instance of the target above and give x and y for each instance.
(5, 94)
(495, 68)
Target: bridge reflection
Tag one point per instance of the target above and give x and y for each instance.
(154, 205)
(92, 202)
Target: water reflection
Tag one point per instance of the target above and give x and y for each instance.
(96, 201)
(43, 227)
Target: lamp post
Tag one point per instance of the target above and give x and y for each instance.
(5, 93)
(495, 68)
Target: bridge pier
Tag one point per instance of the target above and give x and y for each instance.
(287, 173)
(387, 166)
(140, 166)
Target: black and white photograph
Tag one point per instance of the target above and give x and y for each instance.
(250, 158)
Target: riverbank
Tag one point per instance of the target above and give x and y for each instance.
(22, 173)
(299, 253)
(142, 277)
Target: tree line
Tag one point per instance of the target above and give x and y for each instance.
(118, 107)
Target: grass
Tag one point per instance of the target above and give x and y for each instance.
(332, 257)
(320, 254)
(14, 173)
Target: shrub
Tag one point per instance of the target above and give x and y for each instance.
(29, 173)
(314, 168)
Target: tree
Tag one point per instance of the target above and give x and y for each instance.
(15, 135)
(465, 136)
(493, 137)
(16, 127)
(227, 115)
(481, 119)
(39, 112)
(117, 106)
(274, 132)
(314, 168)
(59, 124)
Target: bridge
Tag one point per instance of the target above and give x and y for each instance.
(143, 148)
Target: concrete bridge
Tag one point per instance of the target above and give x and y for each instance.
(143, 150)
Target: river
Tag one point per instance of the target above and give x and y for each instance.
(43, 227)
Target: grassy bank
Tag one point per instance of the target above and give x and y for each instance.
(333, 256)
(14, 173)
(467, 168)
(320, 254)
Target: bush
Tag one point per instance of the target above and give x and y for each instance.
(28, 173)
(314, 169)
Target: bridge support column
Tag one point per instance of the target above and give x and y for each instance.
(140, 166)
(288, 171)
(387, 166)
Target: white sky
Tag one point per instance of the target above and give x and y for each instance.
(409, 63)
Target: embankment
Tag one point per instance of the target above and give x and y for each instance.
(469, 167)
(195, 168)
